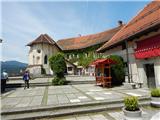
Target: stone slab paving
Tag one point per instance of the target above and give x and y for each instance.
(62, 95)
(147, 114)
(36, 80)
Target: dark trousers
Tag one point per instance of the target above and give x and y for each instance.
(26, 84)
(3, 85)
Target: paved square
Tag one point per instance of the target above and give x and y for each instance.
(63, 95)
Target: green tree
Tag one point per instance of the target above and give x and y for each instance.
(58, 65)
(117, 70)
(84, 60)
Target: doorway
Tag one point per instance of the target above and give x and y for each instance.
(150, 75)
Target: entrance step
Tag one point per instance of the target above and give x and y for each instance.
(64, 110)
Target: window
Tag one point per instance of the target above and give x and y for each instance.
(69, 68)
(45, 59)
(67, 56)
(39, 51)
(123, 46)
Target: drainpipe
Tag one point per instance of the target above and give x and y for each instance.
(127, 55)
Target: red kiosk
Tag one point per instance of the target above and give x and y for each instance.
(103, 71)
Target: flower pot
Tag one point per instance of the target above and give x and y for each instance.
(155, 102)
(132, 114)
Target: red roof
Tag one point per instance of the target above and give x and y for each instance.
(88, 40)
(147, 18)
(43, 38)
(103, 61)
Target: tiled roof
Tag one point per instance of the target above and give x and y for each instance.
(88, 40)
(43, 38)
(147, 18)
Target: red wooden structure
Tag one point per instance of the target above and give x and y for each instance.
(103, 71)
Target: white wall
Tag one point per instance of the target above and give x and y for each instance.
(46, 49)
(141, 70)
(132, 62)
(157, 71)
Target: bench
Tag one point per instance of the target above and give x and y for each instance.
(134, 85)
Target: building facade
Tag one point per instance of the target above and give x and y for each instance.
(40, 50)
(75, 47)
(138, 42)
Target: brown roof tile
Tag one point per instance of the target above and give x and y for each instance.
(147, 18)
(88, 40)
(43, 38)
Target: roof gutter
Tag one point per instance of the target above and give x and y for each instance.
(132, 37)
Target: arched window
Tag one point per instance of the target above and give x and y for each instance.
(45, 59)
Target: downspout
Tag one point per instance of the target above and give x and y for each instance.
(126, 44)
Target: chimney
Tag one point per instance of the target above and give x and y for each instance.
(120, 23)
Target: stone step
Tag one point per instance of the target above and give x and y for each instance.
(65, 110)
(80, 82)
(15, 85)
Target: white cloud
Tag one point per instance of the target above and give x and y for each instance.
(22, 23)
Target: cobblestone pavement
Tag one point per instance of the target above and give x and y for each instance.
(62, 95)
(148, 113)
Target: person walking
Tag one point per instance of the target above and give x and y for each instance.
(4, 78)
(26, 78)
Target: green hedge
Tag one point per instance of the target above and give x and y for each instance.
(58, 81)
(155, 92)
(131, 103)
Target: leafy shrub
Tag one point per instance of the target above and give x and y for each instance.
(131, 103)
(58, 64)
(117, 70)
(155, 92)
(58, 81)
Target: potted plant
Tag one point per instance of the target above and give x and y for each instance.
(155, 97)
(131, 109)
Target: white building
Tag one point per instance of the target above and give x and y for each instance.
(40, 50)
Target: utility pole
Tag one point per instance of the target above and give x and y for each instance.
(126, 44)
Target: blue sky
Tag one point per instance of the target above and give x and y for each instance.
(23, 21)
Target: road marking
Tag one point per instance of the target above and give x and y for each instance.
(92, 90)
(74, 100)
(134, 94)
(107, 93)
(99, 98)
(82, 97)
(89, 93)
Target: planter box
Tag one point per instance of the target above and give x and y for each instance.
(155, 102)
(131, 115)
